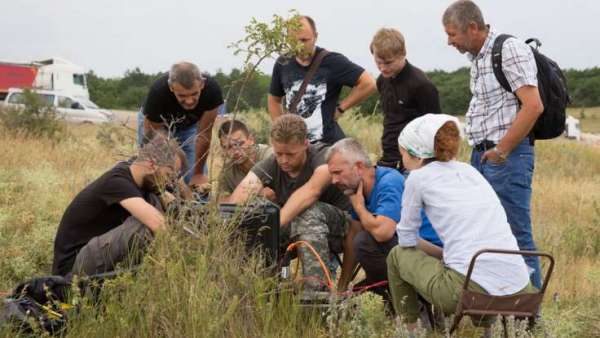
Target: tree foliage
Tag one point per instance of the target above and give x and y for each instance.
(264, 40)
(129, 91)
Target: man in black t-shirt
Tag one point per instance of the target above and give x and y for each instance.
(115, 211)
(406, 92)
(185, 101)
(295, 164)
(319, 105)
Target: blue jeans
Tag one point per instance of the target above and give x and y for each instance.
(186, 138)
(512, 182)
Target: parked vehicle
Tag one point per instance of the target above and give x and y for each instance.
(70, 108)
(572, 128)
(53, 74)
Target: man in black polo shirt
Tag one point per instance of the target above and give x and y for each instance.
(319, 105)
(406, 92)
(116, 211)
(184, 101)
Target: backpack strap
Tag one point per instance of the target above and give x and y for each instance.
(311, 72)
(499, 72)
(497, 61)
(538, 43)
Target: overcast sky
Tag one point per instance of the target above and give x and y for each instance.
(110, 36)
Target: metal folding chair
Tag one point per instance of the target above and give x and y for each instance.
(520, 306)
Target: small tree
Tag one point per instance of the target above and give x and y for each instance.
(263, 41)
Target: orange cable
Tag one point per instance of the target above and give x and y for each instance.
(316, 254)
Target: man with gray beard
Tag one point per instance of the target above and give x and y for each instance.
(376, 196)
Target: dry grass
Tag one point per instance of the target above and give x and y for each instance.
(588, 117)
(189, 289)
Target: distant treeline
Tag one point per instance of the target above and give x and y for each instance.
(129, 91)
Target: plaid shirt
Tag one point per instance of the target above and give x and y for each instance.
(492, 109)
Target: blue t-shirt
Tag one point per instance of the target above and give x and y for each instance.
(386, 200)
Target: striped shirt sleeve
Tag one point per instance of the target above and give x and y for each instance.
(518, 64)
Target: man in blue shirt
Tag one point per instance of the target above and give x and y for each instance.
(376, 196)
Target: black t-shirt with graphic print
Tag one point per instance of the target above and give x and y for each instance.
(318, 103)
(162, 105)
(93, 212)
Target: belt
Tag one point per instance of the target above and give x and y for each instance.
(485, 145)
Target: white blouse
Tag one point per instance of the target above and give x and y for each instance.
(467, 215)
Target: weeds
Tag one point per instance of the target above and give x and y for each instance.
(34, 119)
(208, 287)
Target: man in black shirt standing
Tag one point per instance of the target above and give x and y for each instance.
(319, 105)
(406, 92)
(121, 206)
(184, 101)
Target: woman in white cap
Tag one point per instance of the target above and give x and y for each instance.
(466, 214)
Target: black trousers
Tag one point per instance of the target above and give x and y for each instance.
(372, 255)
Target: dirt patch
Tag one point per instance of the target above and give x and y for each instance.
(590, 139)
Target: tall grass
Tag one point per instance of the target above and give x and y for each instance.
(208, 287)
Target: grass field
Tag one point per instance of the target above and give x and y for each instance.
(203, 288)
(589, 118)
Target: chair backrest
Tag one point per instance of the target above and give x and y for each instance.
(521, 305)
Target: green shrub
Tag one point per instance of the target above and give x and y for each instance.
(34, 119)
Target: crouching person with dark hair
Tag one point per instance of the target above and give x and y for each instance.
(467, 215)
(119, 212)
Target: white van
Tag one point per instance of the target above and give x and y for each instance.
(72, 109)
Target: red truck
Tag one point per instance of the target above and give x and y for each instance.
(53, 74)
(13, 75)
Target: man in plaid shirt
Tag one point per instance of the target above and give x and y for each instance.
(498, 123)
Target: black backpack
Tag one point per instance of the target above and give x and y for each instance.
(552, 86)
(37, 306)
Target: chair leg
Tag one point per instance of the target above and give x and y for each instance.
(428, 310)
(457, 318)
(356, 270)
(504, 326)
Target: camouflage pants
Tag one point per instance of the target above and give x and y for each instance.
(323, 226)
